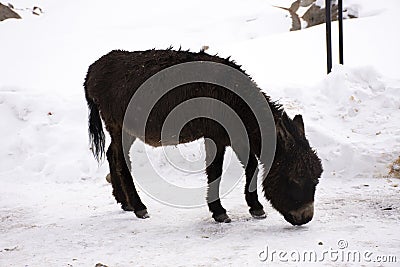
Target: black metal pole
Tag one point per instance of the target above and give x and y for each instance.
(340, 18)
(328, 35)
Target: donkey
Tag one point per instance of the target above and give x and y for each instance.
(112, 81)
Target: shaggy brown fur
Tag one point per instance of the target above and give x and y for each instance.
(112, 81)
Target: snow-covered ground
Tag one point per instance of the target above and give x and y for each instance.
(56, 209)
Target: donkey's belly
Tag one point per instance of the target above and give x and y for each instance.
(158, 137)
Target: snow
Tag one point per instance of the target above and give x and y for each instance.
(56, 209)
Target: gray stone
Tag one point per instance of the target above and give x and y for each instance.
(7, 13)
(306, 3)
(316, 15)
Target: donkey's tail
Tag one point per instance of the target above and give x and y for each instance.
(96, 135)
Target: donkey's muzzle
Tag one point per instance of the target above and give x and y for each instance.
(302, 215)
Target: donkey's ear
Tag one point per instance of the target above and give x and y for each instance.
(283, 133)
(298, 121)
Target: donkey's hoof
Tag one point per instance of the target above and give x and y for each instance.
(222, 218)
(142, 214)
(108, 178)
(258, 214)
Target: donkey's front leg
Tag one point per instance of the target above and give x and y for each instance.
(214, 160)
(250, 190)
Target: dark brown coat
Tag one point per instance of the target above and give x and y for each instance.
(113, 80)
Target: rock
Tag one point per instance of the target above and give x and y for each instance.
(37, 11)
(306, 3)
(6, 12)
(395, 169)
(316, 15)
(296, 23)
(295, 6)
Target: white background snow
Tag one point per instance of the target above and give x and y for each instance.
(56, 209)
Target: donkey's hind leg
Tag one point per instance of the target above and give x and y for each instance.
(127, 143)
(115, 180)
(121, 177)
(214, 160)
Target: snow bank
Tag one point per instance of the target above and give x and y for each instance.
(352, 119)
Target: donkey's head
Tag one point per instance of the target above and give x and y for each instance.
(291, 182)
